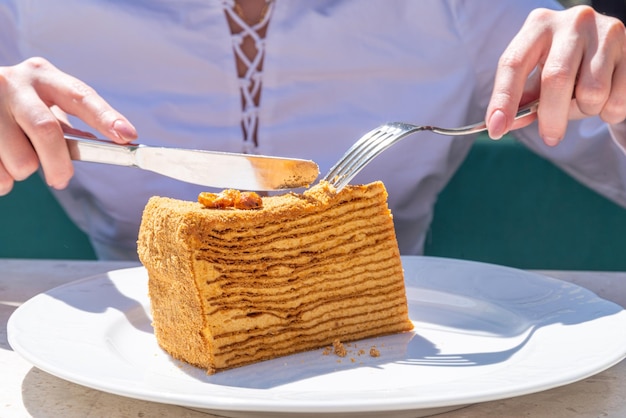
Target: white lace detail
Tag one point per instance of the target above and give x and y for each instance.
(250, 83)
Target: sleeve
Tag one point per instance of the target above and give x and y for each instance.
(591, 151)
(487, 27)
(618, 132)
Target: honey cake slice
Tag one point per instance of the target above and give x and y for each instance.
(230, 287)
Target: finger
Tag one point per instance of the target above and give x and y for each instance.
(65, 124)
(17, 154)
(6, 181)
(593, 86)
(522, 55)
(558, 78)
(531, 91)
(614, 110)
(78, 99)
(18, 157)
(44, 132)
(595, 74)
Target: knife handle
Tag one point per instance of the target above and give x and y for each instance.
(100, 151)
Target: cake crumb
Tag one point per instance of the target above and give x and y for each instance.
(343, 349)
(339, 349)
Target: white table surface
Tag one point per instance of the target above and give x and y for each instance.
(26, 391)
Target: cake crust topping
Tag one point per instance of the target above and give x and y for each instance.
(231, 199)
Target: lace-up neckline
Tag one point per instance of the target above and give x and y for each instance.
(249, 48)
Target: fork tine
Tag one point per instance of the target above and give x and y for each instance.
(365, 154)
(354, 152)
(366, 149)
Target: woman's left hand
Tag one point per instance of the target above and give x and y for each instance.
(573, 60)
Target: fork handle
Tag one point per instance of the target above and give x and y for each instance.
(523, 111)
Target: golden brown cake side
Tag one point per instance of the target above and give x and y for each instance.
(232, 287)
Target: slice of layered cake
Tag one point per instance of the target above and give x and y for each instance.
(231, 286)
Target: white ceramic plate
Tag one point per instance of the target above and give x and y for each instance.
(482, 332)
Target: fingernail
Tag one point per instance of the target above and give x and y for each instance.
(60, 185)
(497, 124)
(5, 189)
(124, 130)
(551, 141)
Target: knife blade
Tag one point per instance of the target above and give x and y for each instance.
(207, 168)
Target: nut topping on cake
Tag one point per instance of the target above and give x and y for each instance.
(230, 199)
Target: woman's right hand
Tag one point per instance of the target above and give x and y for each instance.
(34, 98)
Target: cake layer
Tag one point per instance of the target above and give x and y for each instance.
(250, 285)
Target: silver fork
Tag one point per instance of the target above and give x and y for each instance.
(378, 140)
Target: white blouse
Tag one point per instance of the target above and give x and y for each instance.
(333, 70)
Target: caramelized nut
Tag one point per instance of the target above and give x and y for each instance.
(230, 199)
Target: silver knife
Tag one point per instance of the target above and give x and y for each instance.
(207, 168)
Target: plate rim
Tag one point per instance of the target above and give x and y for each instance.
(297, 406)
